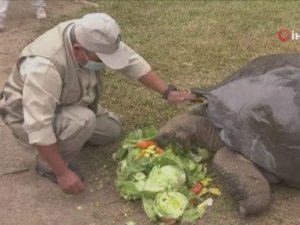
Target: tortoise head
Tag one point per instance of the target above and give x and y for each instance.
(200, 100)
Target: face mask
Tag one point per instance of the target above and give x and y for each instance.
(92, 65)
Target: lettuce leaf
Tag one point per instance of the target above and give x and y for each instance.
(169, 177)
(170, 205)
(163, 181)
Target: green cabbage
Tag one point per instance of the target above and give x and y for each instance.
(170, 205)
(164, 178)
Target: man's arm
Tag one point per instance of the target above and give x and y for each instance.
(41, 94)
(153, 81)
(139, 69)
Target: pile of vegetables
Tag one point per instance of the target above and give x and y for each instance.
(171, 182)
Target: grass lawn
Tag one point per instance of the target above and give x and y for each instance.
(191, 43)
(194, 44)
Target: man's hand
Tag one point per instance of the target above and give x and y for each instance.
(153, 81)
(178, 96)
(70, 183)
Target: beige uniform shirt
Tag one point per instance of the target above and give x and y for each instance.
(41, 94)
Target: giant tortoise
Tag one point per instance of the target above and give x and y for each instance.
(251, 121)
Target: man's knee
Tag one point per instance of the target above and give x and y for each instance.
(75, 121)
(114, 130)
(107, 130)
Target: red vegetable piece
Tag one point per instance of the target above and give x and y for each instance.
(197, 188)
(142, 144)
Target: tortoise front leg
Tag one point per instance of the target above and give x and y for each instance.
(243, 180)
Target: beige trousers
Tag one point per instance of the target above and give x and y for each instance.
(74, 126)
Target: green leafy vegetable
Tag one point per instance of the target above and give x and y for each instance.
(191, 215)
(170, 205)
(165, 179)
(149, 209)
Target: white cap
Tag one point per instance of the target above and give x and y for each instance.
(99, 33)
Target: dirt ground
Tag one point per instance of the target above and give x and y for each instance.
(28, 199)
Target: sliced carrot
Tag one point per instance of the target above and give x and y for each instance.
(144, 144)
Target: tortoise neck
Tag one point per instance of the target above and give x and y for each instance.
(210, 138)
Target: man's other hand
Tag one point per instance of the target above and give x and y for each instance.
(70, 183)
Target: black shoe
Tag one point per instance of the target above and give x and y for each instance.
(51, 176)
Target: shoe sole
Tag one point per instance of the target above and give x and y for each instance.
(51, 176)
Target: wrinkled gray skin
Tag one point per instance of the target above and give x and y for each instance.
(248, 171)
(242, 178)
